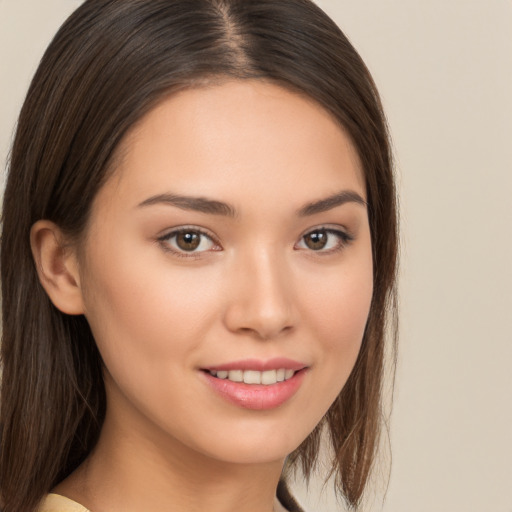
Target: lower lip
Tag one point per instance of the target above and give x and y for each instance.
(256, 396)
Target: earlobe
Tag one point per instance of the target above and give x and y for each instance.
(57, 267)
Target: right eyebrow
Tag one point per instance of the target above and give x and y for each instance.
(198, 204)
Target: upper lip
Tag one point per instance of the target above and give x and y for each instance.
(259, 365)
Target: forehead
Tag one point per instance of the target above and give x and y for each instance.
(237, 139)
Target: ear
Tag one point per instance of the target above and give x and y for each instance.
(57, 267)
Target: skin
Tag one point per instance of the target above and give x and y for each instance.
(253, 289)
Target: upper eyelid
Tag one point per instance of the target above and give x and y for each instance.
(168, 233)
(331, 228)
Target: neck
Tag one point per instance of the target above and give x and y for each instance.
(132, 470)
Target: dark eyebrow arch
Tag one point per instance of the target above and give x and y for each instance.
(198, 204)
(323, 205)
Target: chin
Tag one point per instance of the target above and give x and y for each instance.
(254, 445)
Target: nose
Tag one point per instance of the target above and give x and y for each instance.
(261, 298)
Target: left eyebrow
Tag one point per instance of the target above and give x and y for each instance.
(323, 205)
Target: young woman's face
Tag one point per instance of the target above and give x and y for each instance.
(231, 244)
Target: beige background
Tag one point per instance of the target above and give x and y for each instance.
(444, 68)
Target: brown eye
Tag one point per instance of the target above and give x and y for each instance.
(188, 241)
(182, 241)
(324, 240)
(316, 240)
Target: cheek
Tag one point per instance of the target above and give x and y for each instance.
(149, 323)
(347, 311)
(339, 311)
(339, 301)
(142, 314)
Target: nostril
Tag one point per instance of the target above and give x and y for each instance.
(265, 332)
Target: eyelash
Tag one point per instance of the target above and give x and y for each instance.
(344, 239)
(165, 241)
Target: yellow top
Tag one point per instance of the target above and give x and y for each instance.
(57, 503)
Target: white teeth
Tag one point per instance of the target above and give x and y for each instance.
(252, 377)
(236, 375)
(267, 377)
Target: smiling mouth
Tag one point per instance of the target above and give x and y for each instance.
(257, 385)
(267, 377)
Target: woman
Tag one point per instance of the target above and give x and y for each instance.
(198, 260)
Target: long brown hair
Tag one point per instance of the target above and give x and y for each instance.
(109, 64)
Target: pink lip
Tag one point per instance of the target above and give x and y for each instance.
(256, 396)
(258, 365)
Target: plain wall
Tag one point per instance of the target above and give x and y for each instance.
(444, 69)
